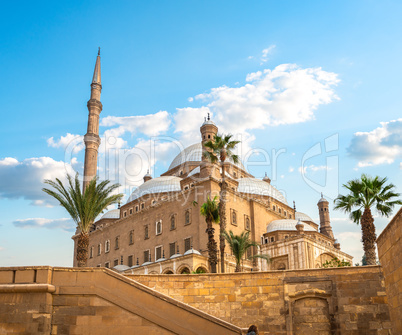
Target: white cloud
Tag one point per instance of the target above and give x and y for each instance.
(150, 125)
(400, 165)
(314, 168)
(382, 145)
(350, 235)
(339, 220)
(2, 248)
(266, 52)
(70, 140)
(291, 168)
(24, 179)
(288, 94)
(64, 224)
(285, 95)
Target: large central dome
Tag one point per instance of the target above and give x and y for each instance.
(193, 153)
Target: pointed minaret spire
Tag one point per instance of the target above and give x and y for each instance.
(96, 79)
(91, 138)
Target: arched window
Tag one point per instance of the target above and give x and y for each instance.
(107, 246)
(234, 218)
(172, 222)
(247, 223)
(274, 208)
(187, 217)
(185, 271)
(159, 228)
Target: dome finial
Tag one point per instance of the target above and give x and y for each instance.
(322, 196)
(118, 205)
(294, 205)
(98, 51)
(209, 117)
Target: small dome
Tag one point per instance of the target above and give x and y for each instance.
(121, 268)
(322, 199)
(176, 255)
(303, 217)
(192, 251)
(259, 187)
(194, 171)
(112, 214)
(156, 185)
(286, 224)
(160, 260)
(208, 122)
(146, 263)
(193, 153)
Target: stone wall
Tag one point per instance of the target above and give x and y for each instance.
(348, 300)
(390, 254)
(44, 300)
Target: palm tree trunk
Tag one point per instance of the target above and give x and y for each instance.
(368, 236)
(222, 215)
(238, 267)
(212, 247)
(82, 249)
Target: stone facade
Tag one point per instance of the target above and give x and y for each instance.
(390, 254)
(349, 300)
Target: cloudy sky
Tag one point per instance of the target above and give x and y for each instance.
(313, 90)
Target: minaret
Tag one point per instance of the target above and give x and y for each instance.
(208, 132)
(91, 138)
(325, 223)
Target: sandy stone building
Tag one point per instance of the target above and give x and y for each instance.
(160, 229)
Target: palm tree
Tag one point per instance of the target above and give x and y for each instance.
(210, 210)
(239, 244)
(365, 193)
(220, 150)
(83, 207)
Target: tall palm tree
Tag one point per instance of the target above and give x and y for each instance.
(365, 193)
(220, 150)
(239, 244)
(210, 210)
(83, 207)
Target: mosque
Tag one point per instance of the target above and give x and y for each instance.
(160, 229)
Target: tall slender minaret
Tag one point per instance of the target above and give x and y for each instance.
(325, 223)
(91, 138)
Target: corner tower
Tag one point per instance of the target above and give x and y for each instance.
(208, 132)
(91, 138)
(325, 223)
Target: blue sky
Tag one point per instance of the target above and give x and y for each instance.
(283, 75)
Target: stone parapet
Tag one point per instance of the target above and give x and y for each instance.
(350, 300)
